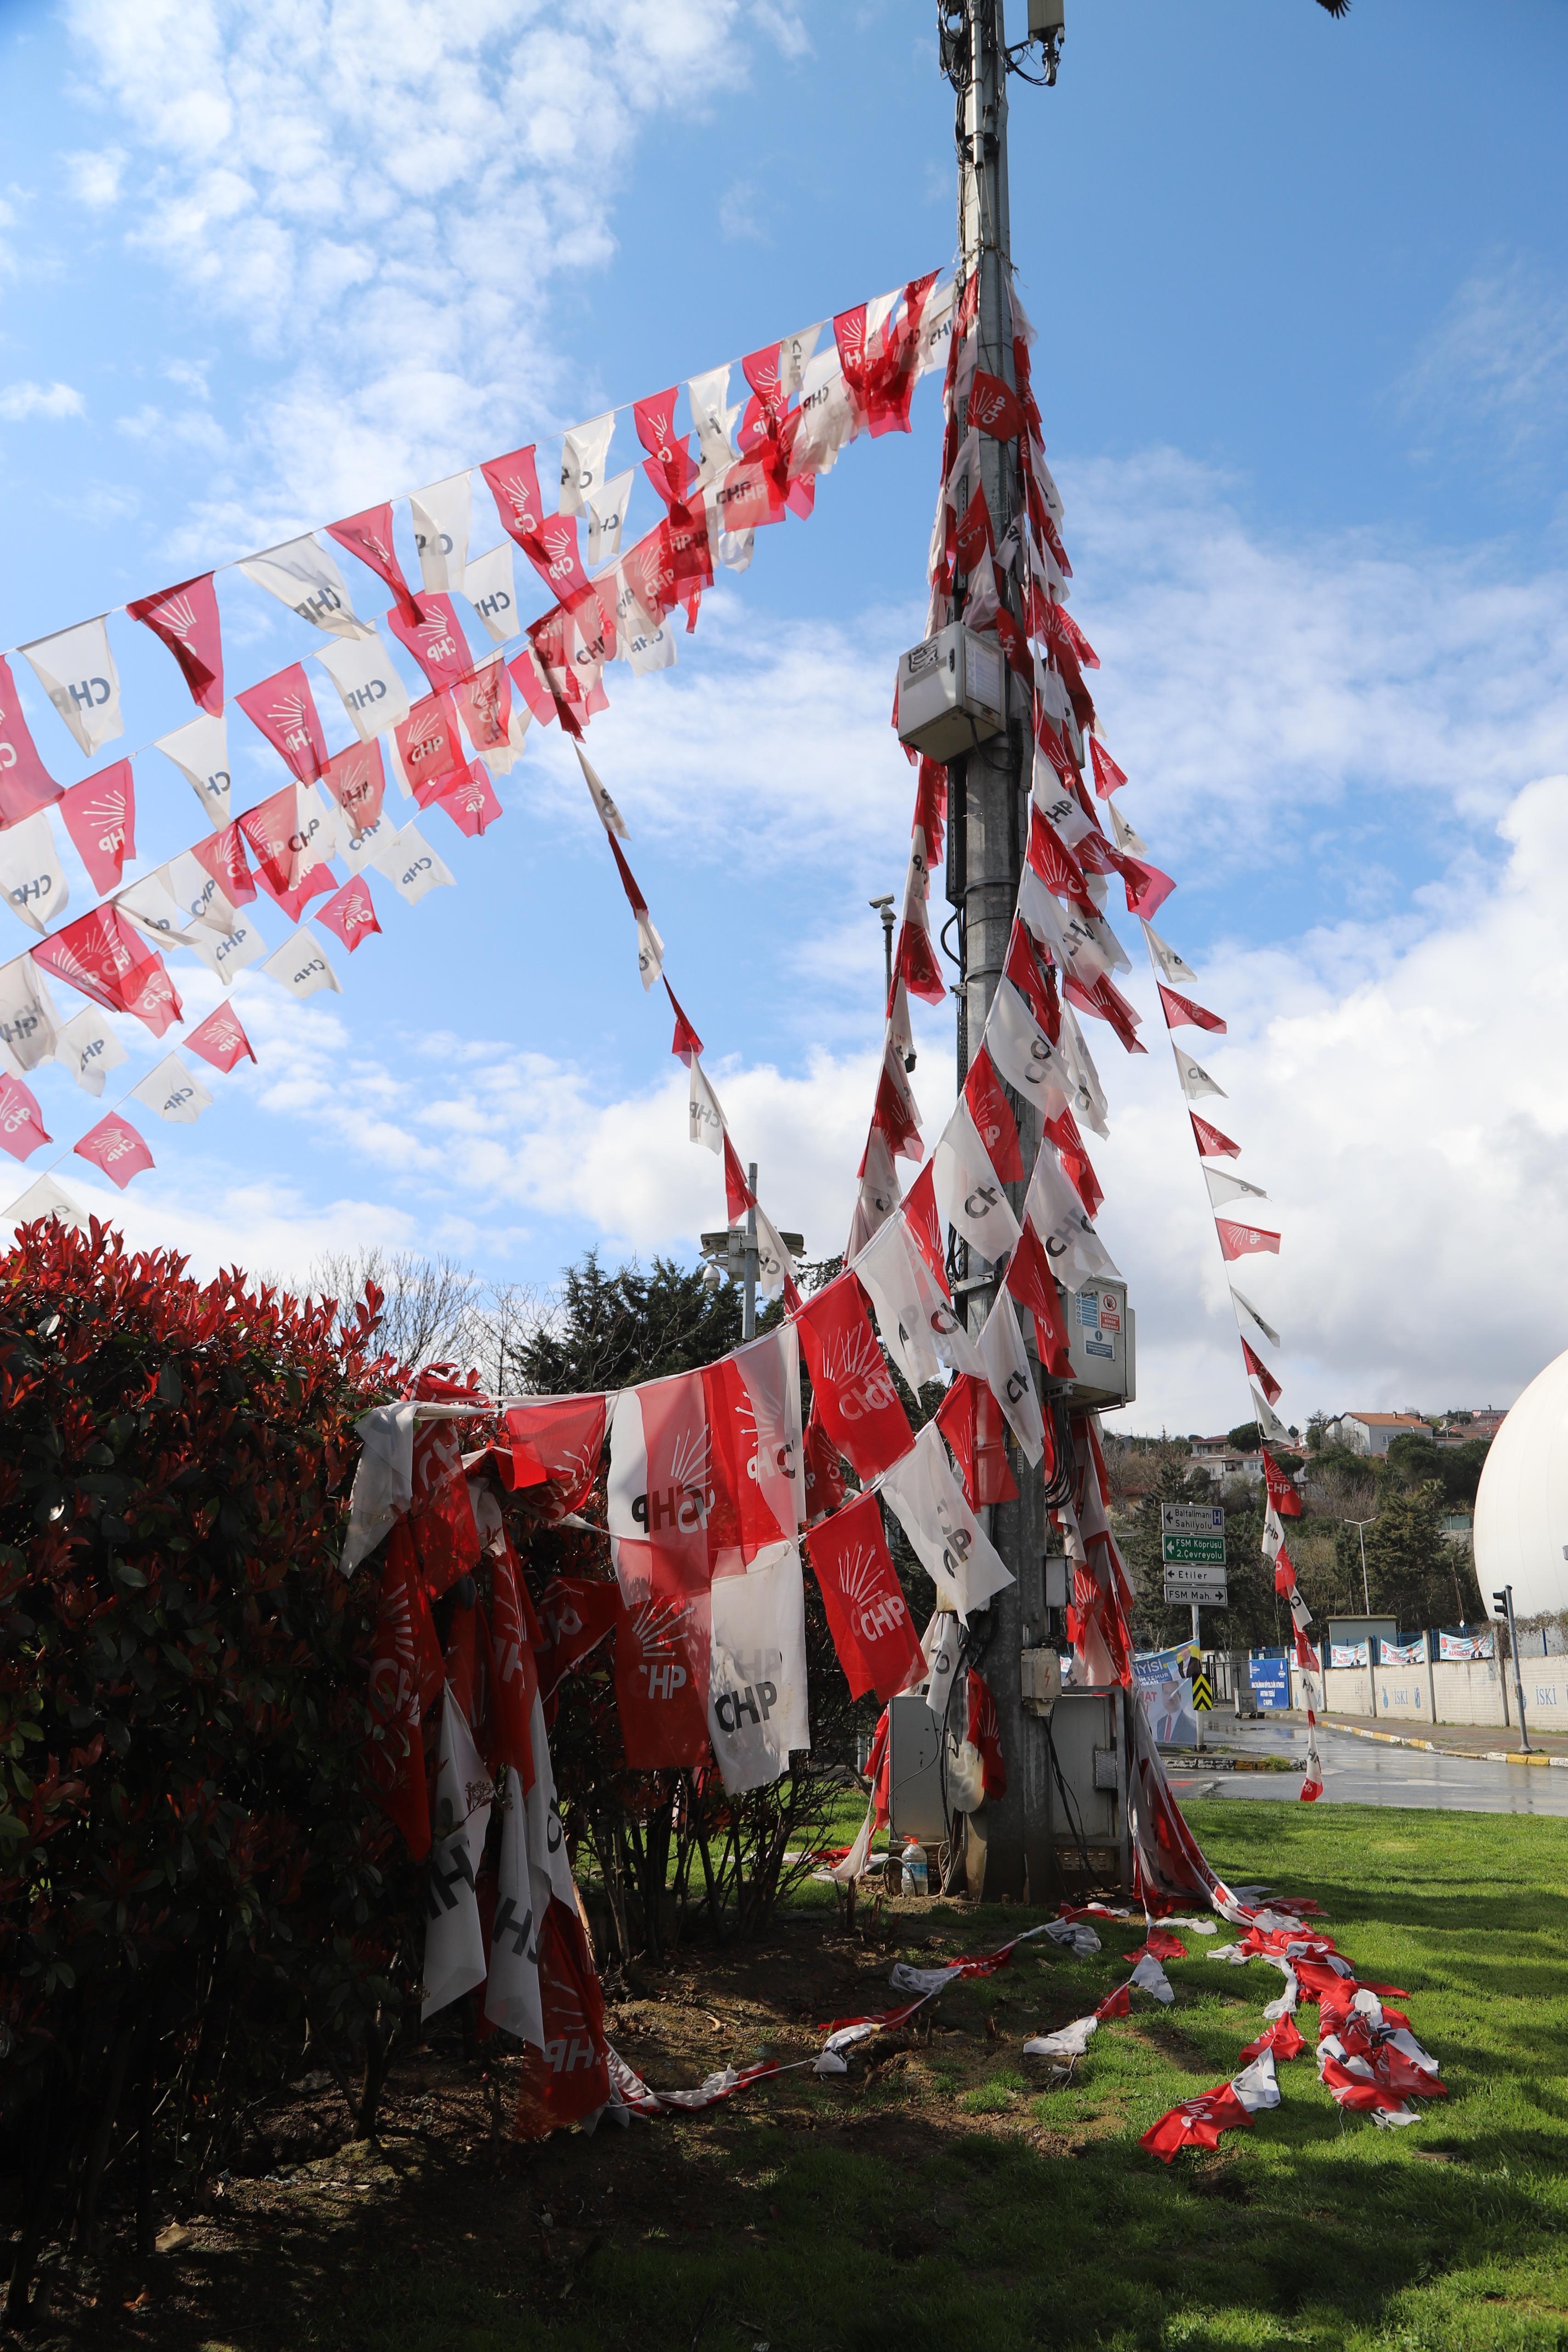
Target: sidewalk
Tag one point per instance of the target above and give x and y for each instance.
(1482, 1742)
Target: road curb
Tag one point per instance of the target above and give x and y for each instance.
(1430, 1746)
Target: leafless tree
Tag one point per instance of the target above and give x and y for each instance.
(434, 1310)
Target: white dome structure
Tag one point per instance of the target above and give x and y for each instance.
(1521, 1506)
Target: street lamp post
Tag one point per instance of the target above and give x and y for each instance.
(733, 1253)
(1361, 1526)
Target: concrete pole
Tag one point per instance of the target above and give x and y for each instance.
(1010, 1841)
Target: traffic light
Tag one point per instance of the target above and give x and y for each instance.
(1500, 1602)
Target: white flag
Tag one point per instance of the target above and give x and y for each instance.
(174, 1092)
(512, 1991)
(1171, 967)
(87, 1047)
(44, 1198)
(1054, 1208)
(363, 671)
(769, 1373)
(646, 643)
(706, 1120)
(411, 865)
(606, 517)
(969, 1189)
(1010, 1376)
(301, 967)
(774, 1263)
(200, 750)
(756, 1670)
(1267, 1419)
(360, 845)
(582, 454)
(1125, 836)
(712, 418)
(224, 953)
(885, 1266)
(1247, 1308)
(489, 586)
(198, 900)
(1025, 1054)
(439, 514)
(650, 949)
(31, 875)
(878, 1195)
(954, 1549)
(1087, 1099)
(151, 906)
(455, 1957)
(1224, 1187)
(302, 575)
(940, 1646)
(28, 1027)
(609, 815)
(76, 670)
(549, 1866)
(794, 355)
(1195, 1083)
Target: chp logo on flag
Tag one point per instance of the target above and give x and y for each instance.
(659, 1627)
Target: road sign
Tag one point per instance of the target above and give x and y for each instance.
(1203, 1695)
(1214, 1592)
(1192, 1519)
(1207, 1551)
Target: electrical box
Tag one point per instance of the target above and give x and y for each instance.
(1102, 1340)
(1042, 1680)
(1058, 1579)
(952, 692)
(1046, 17)
(914, 1770)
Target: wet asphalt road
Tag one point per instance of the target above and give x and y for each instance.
(1362, 1772)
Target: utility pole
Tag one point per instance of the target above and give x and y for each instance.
(1010, 1841)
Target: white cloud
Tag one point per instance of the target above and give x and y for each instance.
(94, 176)
(383, 199)
(19, 401)
(1499, 355)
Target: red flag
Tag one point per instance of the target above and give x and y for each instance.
(1283, 1492)
(649, 572)
(102, 955)
(1116, 2004)
(552, 550)
(867, 1613)
(1147, 888)
(916, 964)
(974, 538)
(220, 1039)
(100, 817)
(1063, 1132)
(564, 1436)
(1032, 1283)
(993, 406)
(441, 1515)
(1282, 2038)
(851, 1386)
(1055, 863)
(992, 1115)
(277, 841)
(1181, 1012)
(1244, 1241)
(114, 1146)
(1108, 776)
(514, 1673)
(923, 1221)
(21, 1119)
(284, 710)
(738, 1195)
(433, 633)
(430, 747)
(185, 618)
(894, 1110)
(1197, 2123)
(484, 700)
(350, 913)
(687, 1042)
(223, 854)
(971, 1419)
(406, 1673)
(469, 800)
(578, 1613)
(1261, 1373)
(570, 2078)
(1034, 980)
(26, 784)
(514, 484)
(824, 1472)
(527, 676)
(1211, 1144)
(986, 1734)
(662, 1679)
(669, 467)
(370, 537)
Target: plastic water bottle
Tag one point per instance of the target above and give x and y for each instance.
(913, 1861)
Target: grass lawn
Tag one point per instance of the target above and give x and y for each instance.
(939, 2196)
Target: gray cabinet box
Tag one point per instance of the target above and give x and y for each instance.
(952, 692)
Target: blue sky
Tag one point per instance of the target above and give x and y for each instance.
(1302, 306)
